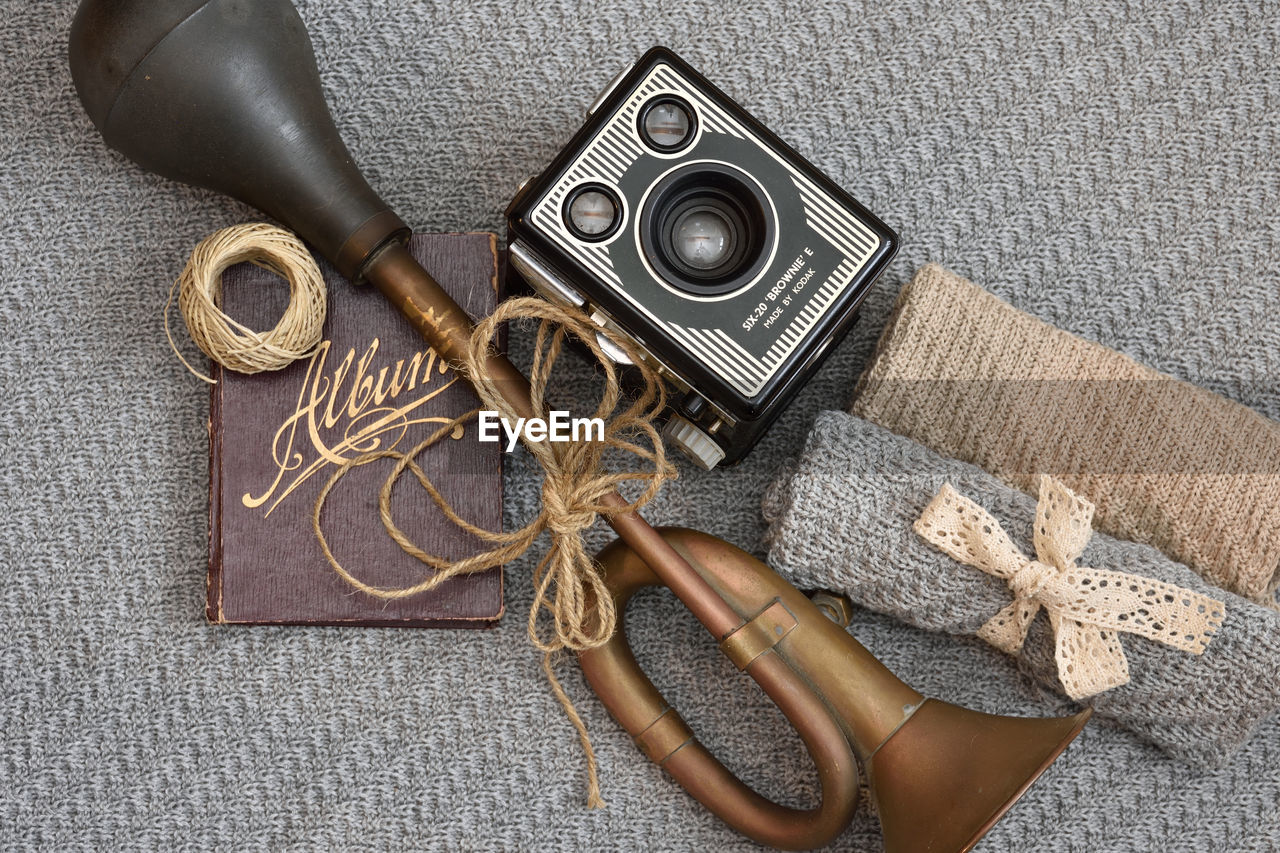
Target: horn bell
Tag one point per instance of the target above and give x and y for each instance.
(943, 779)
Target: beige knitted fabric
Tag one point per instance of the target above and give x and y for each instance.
(1165, 462)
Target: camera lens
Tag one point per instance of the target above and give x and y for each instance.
(707, 228)
(667, 124)
(592, 212)
(702, 238)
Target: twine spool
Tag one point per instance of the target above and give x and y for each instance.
(228, 342)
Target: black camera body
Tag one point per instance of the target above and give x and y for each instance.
(675, 217)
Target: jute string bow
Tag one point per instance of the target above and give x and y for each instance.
(568, 586)
(1087, 607)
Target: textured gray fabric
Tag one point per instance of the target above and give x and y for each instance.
(842, 519)
(1108, 166)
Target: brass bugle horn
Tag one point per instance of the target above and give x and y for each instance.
(225, 94)
(940, 775)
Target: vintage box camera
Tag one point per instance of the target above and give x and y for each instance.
(675, 217)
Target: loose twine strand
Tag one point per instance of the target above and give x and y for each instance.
(569, 590)
(228, 342)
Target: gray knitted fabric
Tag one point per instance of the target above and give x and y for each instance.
(842, 519)
(1108, 166)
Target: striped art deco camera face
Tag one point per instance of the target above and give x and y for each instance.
(676, 218)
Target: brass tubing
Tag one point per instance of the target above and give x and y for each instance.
(640, 708)
(444, 325)
(717, 788)
(868, 698)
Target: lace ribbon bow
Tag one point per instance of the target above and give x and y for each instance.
(1087, 607)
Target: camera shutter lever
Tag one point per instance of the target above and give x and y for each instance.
(693, 405)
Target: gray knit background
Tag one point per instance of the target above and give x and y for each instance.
(1109, 167)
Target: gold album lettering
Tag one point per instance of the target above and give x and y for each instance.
(343, 414)
(362, 385)
(330, 419)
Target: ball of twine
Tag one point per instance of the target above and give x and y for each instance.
(228, 342)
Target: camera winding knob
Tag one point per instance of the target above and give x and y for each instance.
(693, 442)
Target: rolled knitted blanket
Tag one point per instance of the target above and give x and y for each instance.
(842, 518)
(1165, 462)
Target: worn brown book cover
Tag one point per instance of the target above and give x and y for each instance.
(276, 438)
